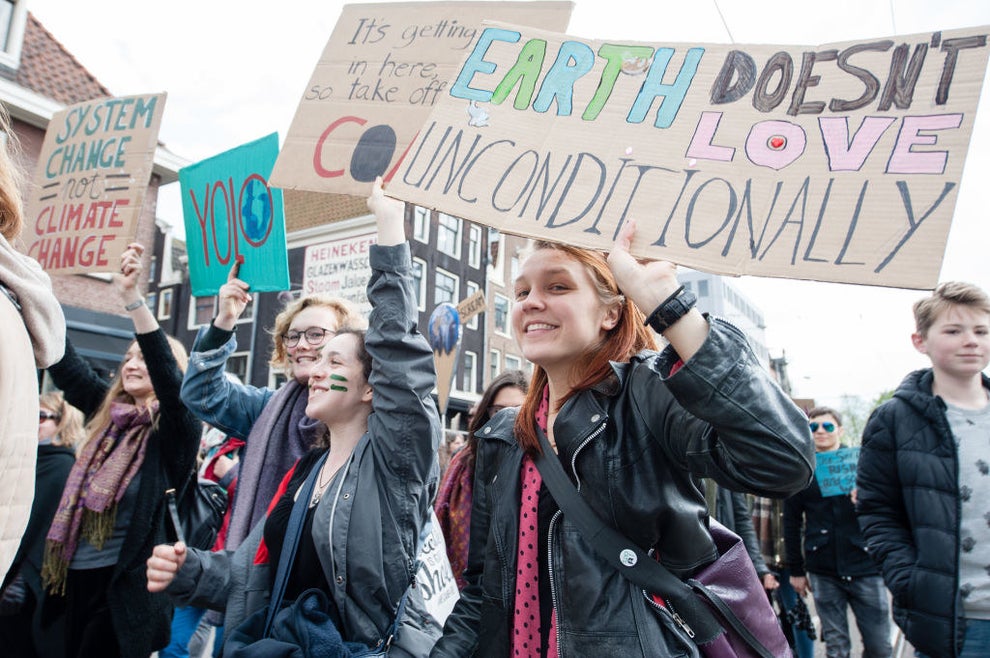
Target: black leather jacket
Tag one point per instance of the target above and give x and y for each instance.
(632, 445)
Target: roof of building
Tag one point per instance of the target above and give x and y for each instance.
(49, 69)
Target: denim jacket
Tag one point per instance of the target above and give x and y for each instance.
(232, 408)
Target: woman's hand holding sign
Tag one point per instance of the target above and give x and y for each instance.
(233, 299)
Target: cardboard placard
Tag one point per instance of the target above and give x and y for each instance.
(340, 268)
(836, 471)
(839, 162)
(381, 72)
(434, 576)
(89, 185)
(232, 215)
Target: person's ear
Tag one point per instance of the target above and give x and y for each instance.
(919, 343)
(611, 319)
(367, 393)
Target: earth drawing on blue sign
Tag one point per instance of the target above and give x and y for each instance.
(444, 328)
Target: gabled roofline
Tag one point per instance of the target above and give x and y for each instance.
(37, 110)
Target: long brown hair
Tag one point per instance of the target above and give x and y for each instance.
(507, 379)
(626, 338)
(101, 419)
(11, 176)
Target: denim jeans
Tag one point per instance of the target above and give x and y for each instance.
(867, 597)
(184, 623)
(804, 646)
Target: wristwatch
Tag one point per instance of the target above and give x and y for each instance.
(671, 310)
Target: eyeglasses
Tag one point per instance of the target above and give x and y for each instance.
(314, 336)
(828, 427)
(45, 415)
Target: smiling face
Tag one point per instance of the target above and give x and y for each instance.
(558, 315)
(958, 342)
(303, 356)
(338, 388)
(134, 376)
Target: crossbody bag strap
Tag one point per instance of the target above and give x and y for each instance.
(293, 532)
(630, 560)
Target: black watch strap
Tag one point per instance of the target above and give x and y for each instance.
(671, 310)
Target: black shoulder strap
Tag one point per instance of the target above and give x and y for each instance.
(628, 559)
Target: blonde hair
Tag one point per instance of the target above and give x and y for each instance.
(11, 177)
(69, 427)
(951, 293)
(344, 311)
(116, 393)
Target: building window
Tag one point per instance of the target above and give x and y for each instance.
(470, 371)
(513, 269)
(421, 224)
(13, 17)
(472, 288)
(449, 235)
(165, 304)
(418, 273)
(239, 364)
(474, 246)
(502, 314)
(446, 288)
(513, 362)
(151, 301)
(203, 310)
(494, 364)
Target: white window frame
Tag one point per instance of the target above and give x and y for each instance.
(494, 364)
(247, 354)
(513, 362)
(470, 372)
(166, 298)
(474, 246)
(443, 229)
(10, 54)
(422, 282)
(472, 288)
(421, 224)
(455, 293)
(508, 312)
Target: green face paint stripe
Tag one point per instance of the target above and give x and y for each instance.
(335, 387)
(338, 378)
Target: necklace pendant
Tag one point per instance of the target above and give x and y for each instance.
(316, 497)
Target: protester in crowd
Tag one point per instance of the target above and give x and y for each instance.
(826, 555)
(140, 440)
(273, 422)
(33, 330)
(633, 427)
(372, 493)
(453, 504)
(23, 631)
(922, 480)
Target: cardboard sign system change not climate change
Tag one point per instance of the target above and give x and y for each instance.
(90, 181)
(838, 162)
(379, 76)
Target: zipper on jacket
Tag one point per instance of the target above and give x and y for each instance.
(670, 612)
(589, 439)
(500, 549)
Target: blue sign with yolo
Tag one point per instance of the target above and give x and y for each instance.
(232, 215)
(836, 471)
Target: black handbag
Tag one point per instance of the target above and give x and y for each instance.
(722, 609)
(197, 511)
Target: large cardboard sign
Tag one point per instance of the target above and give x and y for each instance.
(838, 162)
(340, 268)
(232, 215)
(836, 471)
(90, 181)
(380, 74)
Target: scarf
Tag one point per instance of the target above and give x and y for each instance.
(42, 314)
(281, 435)
(102, 472)
(526, 641)
(453, 508)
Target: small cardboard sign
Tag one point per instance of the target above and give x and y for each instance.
(836, 471)
(340, 268)
(232, 215)
(472, 306)
(89, 184)
(838, 162)
(381, 72)
(444, 332)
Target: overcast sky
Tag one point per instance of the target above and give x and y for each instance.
(235, 71)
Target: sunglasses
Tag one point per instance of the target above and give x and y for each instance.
(828, 427)
(44, 415)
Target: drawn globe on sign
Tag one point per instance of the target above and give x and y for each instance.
(256, 210)
(444, 328)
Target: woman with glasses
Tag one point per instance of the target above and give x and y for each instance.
(453, 504)
(273, 422)
(373, 476)
(140, 440)
(23, 631)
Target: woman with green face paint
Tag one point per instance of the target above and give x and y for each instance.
(374, 475)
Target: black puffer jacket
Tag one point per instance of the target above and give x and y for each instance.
(909, 506)
(632, 444)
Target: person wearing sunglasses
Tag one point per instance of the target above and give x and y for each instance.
(24, 631)
(831, 561)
